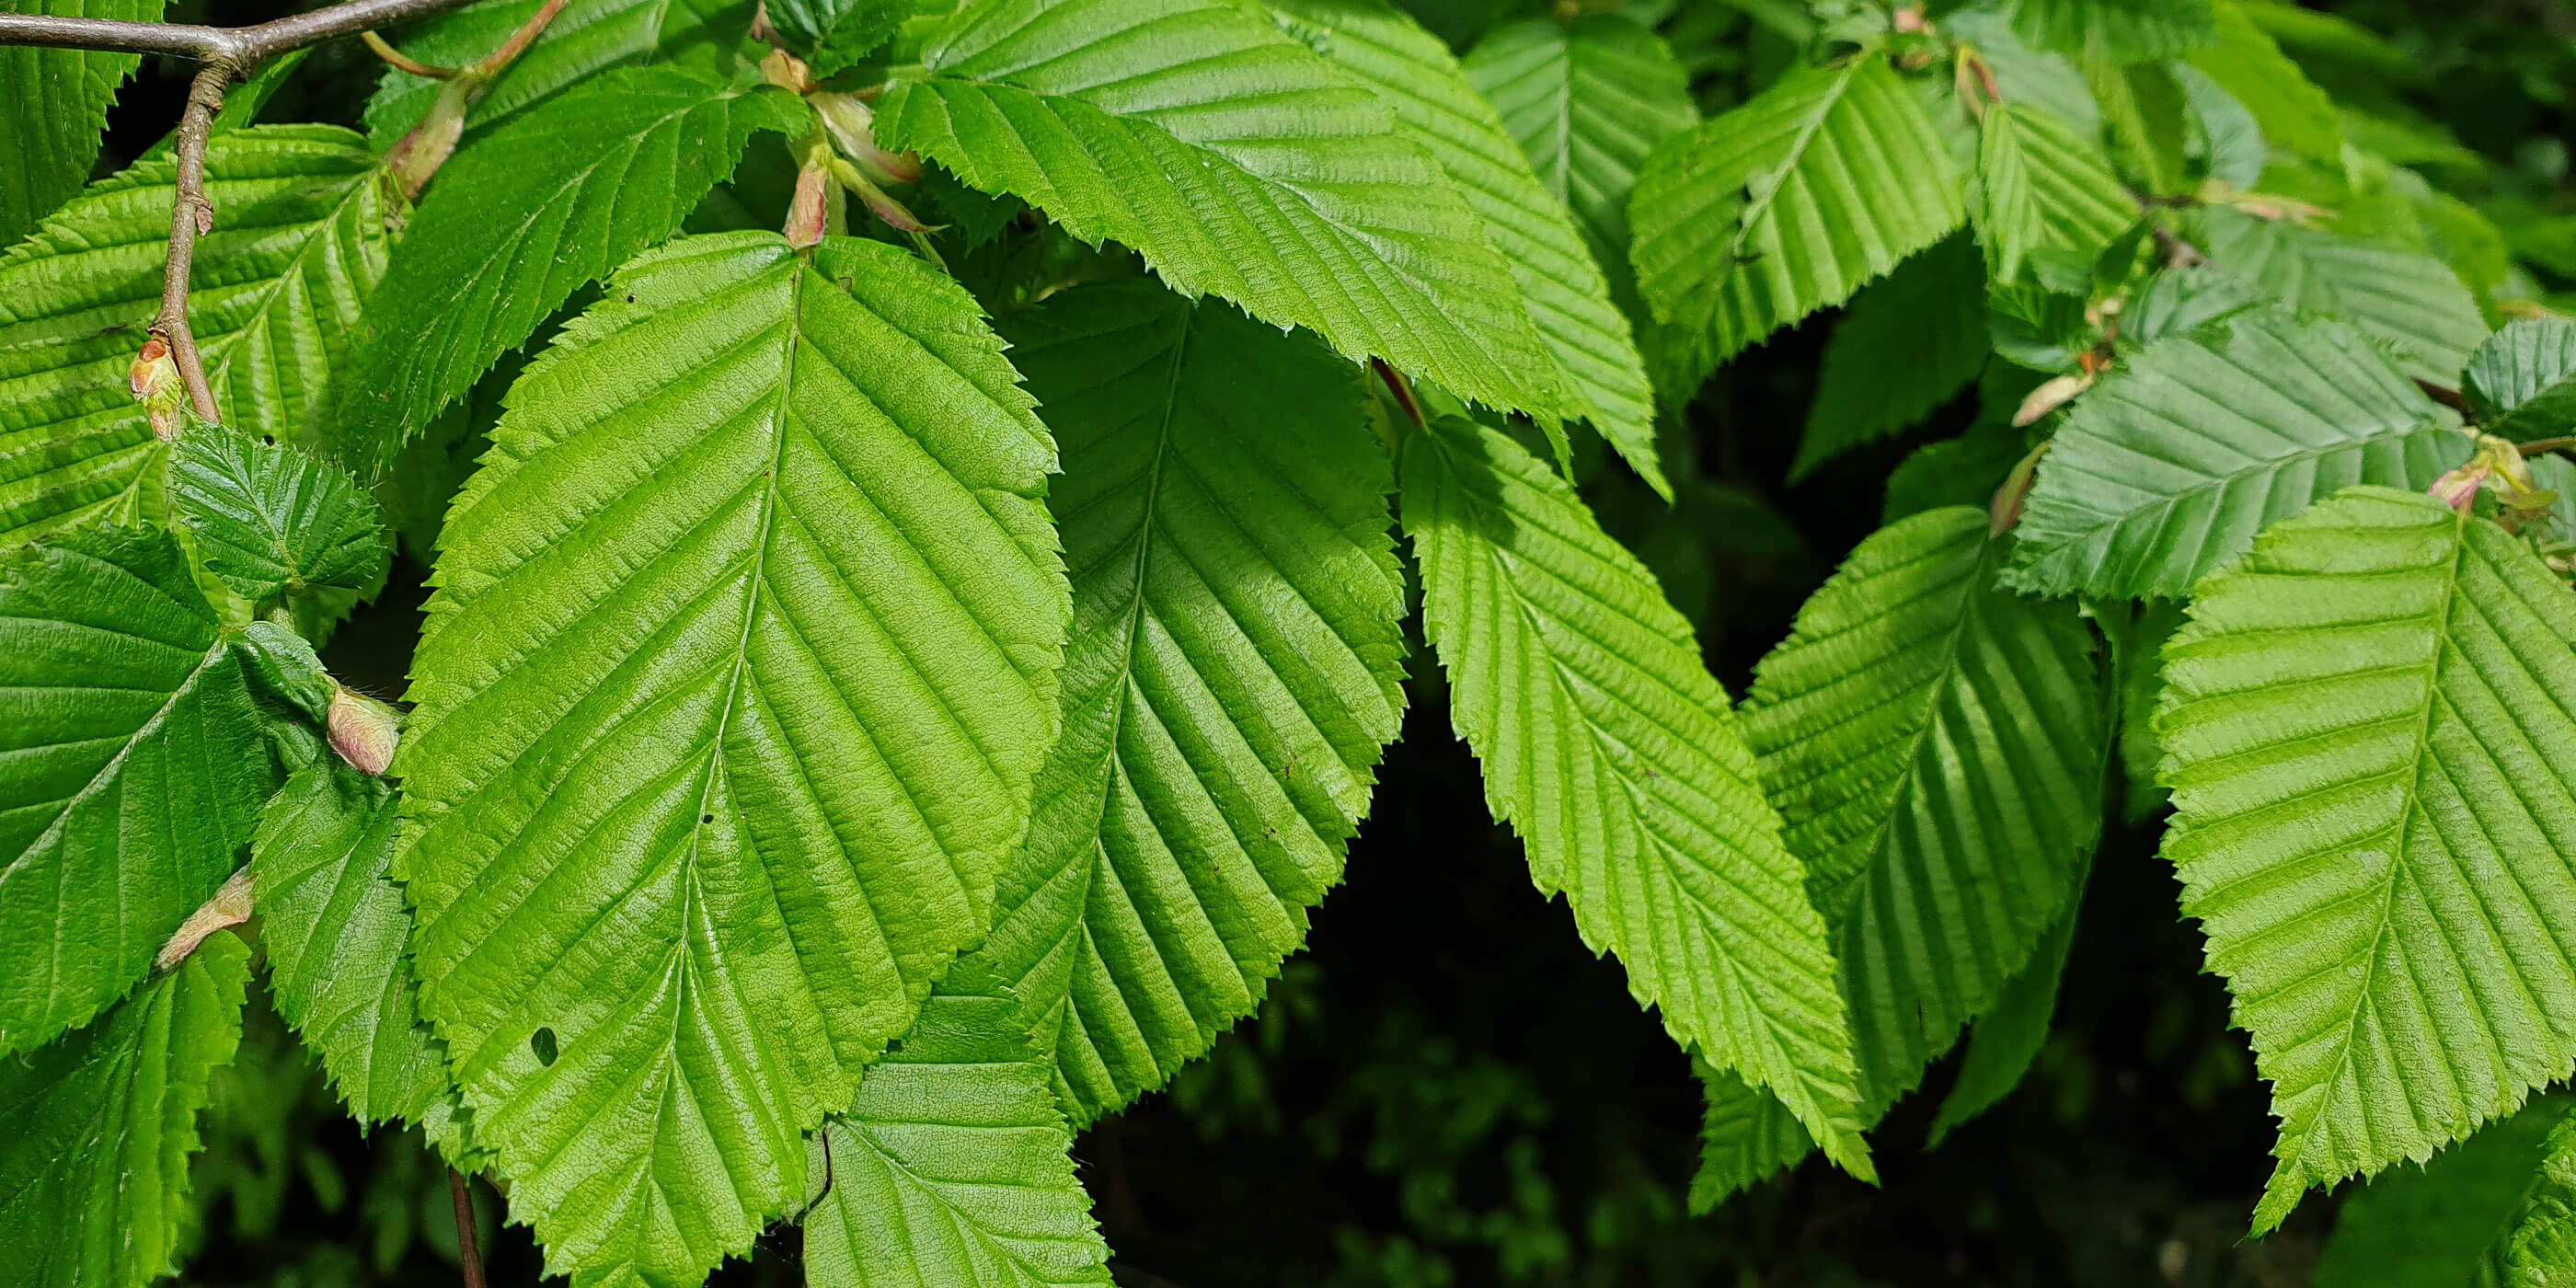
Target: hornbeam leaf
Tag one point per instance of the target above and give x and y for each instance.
(132, 768)
(2294, 114)
(96, 1128)
(2008, 1037)
(55, 109)
(1746, 1135)
(1787, 204)
(1129, 120)
(1235, 671)
(2172, 464)
(338, 940)
(954, 1169)
(1613, 753)
(2116, 31)
(2538, 1247)
(1911, 342)
(588, 37)
(2431, 1227)
(2412, 303)
(1588, 101)
(2045, 198)
(300, 233)
(742, 657)
(2523, 379)
(1585, 335)
(2366, 735)
(271, 519)
(528, 214)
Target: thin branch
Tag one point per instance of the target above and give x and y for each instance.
(401, 61)
(244, 47)
(191, 215)
(466, 1250)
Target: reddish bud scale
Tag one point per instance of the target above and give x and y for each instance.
(364, 731)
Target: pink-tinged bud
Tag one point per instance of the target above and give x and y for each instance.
(154, 378)
(895, 213)
(364, 731)
(2051, 396)
(810, 208)
(852, 125)
(2459, 488)
(231, 906)
(1910, 20)
(787, 72)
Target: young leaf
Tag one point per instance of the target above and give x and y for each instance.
(2523, 380)
(2045, 198)
(2370, 768)
(1787, 204)
(2295, 115)
(2174, 462)
(832, 34)
(1612, 752)
(954, 1169)
(1910, 343)
(527, 215)
(1598, 370)
(1587, 101)
(2008, 1037)
(742, 658)
(132, 767)
(589, 37)
(2431, 1226)
(338, 940)
(1128, 120)
(2412, 303)
(2116, 31)
(1234, 672)
(2538, 1248)
(271, 519)
(57, 105)
(1745, 1136)
(2144, 112)
(301, 240)
(96, 1128)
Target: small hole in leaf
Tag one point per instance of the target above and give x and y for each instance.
(706, 818)
(630, 297)
(268, 440)
(543, 1043)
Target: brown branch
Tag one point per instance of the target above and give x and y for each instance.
(191, 215)
(244, 47)
(466, 1251)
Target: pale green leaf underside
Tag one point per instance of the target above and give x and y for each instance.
(56, 106)
(2412, 303)
(2523, 379)
(1910, 343)
(742, 658)
(1599, 371)
(338, 941)
(954, 1169)
(2365, 737)
(2434, 1226)
(530, 213)
(1132, 120)
(2043, 192)
(271, 519)
(1234, 672)
(96, 1128)
(588, 37)
(1787, 204)
(299, 241)
(131, 769)
(1610, 749)
(2172, 464)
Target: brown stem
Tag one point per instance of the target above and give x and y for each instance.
(190, 215)
(2539, 445)
(466, 1251)
(1395, 384)
(2448, 397)
(245, 47)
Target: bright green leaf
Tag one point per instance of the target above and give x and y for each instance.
(2143, 112)
(2412, 303)
(2004, 1042)
(2294, 113)
(2431, 1226)
(271, 519)
(832, 34)
(587, 38)
(1746, 1135)
(2523, 380)
(1909, 344)
(2538, 1248)
(56, 106)
(2116, 31)
(2044, 198)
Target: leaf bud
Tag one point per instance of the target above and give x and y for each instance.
(363, 730)
(154, 378)
(230, 906)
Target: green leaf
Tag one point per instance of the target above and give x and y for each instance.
(1612, 752)
(2116, 31)
(2004, 1042)
(2430, 1227)
(527, 215)
(1787, 204)
(338, 935)
(832, 34)
(1234, 673)
(2538, 1248)
(2295, 114)
(2044, 198)
(2414, 304)
(1128, 120)
(1909, 344)
(132, 767)
(954, 1169)
(1597, 368)
(96, 1128)
(1587, 101)
(2144, 111)
(1746, 1134)
(2523, 379)
(587, 38)
(271, 519)
(2142, 685)
(741, 661)
(2234, 149)
(300, 237)
(2171, 465)
(2369, 759)
(55, 109)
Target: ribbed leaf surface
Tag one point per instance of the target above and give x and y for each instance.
(338, 940)
(271, 519)
(2434, 1226)
(2116, 31)
(954, 1169)
(588, 37)
(2044, 198)
(2412, 303)
(131, 769)
(2294, 115)
(1910, 343)
(1136, 120)
(527, 215)
(96, 1128)
(2365, 733)
(1597, 366)
(56, 106)
(1746, 1135)
(2008, 1037)
(1787, 204)
(1587, 101)
(1234, 672)
(299, 242)
(742, 658)
(2172, 464)
(1612, 752)
(2523, 379)
(2538, 1250)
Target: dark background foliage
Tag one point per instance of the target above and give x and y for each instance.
(1446, 1088)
